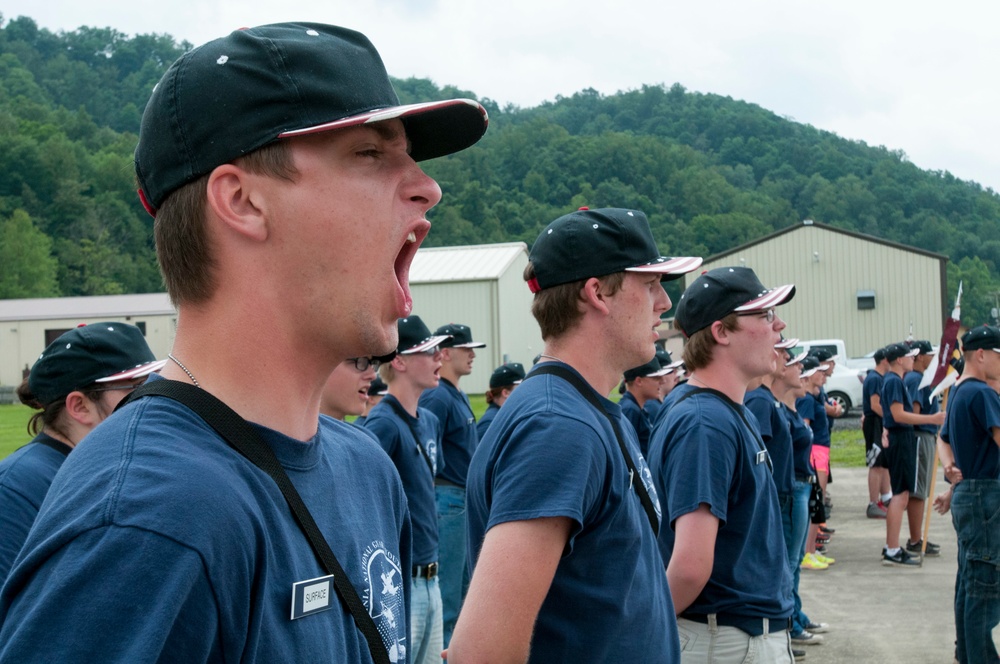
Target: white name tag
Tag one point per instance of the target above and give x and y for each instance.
(762, 456)
(312, 596)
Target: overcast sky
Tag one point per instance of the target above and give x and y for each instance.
(915, 76)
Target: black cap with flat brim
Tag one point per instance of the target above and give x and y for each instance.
(236, 94)
(416, 337)
(725, 290)
(595, 243)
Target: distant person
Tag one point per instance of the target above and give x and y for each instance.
(926, 435)
(376, 392)
(74, 385)
(722, 536)
(503, 380)
(972, 429)
(672, 371)
(452, 407)
(813, 408)
(879, 492)
(346, 390)
(642, 384)
(411, 436)
(289, 204)
(901, 456)
(562, 515)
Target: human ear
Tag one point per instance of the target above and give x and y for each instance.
(236, 200)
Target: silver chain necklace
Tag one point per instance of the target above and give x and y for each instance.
(552, 357)
(184, 369)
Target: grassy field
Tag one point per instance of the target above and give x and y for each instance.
(848, 448)
(13, 427)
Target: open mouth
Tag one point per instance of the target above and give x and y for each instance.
(402, 266)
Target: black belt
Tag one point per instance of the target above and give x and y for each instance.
(752, 625)
(428, 571)
(438, 481)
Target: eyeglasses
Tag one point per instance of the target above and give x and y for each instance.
(363, 363)
(766, 315)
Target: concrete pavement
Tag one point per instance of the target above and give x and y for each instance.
(880, 614)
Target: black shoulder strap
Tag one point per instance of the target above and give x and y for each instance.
(587, 393)
(403, 415)
(761, 447)
(248, 442)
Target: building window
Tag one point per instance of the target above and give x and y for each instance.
(866, 299)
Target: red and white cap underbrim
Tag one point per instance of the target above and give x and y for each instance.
(769, 298)
(137, 372)
(785, 344)
(808, 372)
(798, 358)
(663, 265)
(471, 344)
(426, 344)
(383, 114)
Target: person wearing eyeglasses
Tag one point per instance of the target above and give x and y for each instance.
(722, 537)
(74, 385)
(346, 390)
(411, 436)
(460, 440)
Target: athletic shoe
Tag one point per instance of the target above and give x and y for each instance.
(876, 511)
(799, 655)
(820, 547)
(901, 559)
(809, 561)
(824, 529)
(818, 628)
(806, 638)
(932, 548)
(826, 560)
(822, 537)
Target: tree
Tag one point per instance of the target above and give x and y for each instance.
(28, 268)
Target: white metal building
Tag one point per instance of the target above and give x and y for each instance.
(859, 288)
(479, 286)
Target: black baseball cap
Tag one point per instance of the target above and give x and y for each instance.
(821, 354)
(811, 365)
(460, 336)
(985, 337)
(667, 360)
(595, 243)
(650, 369)
(895, 351)
(923, 346)
(95, 353)
(879, 355)
(238, 93)
(377, 388)
(415, 336)
(511, 373)
(792, 358)
(717, 293)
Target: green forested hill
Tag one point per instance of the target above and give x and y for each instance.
(711, 172)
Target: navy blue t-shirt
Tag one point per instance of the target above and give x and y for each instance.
(484, 422)
(25, 477)
(802, 442)
(652, 407)
(549, 453)
(813, 408)
(922, 395)
(973, 411)
(776, 433)
(637, 418)
(159, 542)
(871, 386)
(417, 462)
(704, 453)
(894, 391)
(458, 422)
